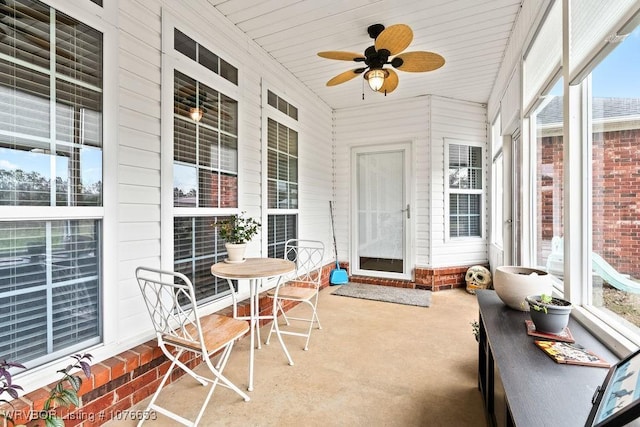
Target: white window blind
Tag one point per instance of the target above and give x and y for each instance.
(543, 60)
(48, 270)
(197, 246)
(593, 22)
(510, 104)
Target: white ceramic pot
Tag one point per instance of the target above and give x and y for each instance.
(513, 284)
(235, 252)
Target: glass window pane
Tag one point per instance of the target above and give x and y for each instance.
(78, 176)
(228, 115)
(197, 242)
(184, 44)
(184, 141)
(293, 112)
(228, 71)
(209, 102)
(272, 99)
(280, 229)
(293, 143)
(184, 96)
(24, 101)
(78, 50)
(209, 150)
(70, 250)
(228, 190)
(272, 134)
(185, 183)
(229, 153)
(547, 124)
(26, 27)
(208, 59)
(615, 161)
(25, 178)
(208, 194)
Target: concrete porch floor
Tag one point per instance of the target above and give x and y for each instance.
(371, 364)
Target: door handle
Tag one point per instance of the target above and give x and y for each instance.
(408, 211)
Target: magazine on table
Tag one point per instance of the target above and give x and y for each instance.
(571, 354)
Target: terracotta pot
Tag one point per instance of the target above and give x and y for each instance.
(513, 284)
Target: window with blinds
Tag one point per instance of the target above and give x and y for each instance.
(282, 175)
(197, 246)
(49, 287)
(465, 190)
(205, 151)
(205, 168)
(50, 157)
(280, 229)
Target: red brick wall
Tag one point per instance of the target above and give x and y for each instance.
(616, 199)
(549, 194)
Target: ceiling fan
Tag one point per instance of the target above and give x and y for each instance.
(389, 42)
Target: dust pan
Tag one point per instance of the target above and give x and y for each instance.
(338, 276)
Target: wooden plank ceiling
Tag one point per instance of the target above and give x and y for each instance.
(470, 34)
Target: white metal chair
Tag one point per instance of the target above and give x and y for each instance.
(170, 300)
(301, 286)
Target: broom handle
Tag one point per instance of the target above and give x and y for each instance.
(333, 232)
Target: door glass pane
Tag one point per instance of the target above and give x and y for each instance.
(381, 202)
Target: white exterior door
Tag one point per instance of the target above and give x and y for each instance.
(381, 211)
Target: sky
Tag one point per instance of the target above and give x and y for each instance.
(618, 76)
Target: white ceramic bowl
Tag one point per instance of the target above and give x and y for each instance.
(513, 284)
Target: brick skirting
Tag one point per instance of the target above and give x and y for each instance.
(433, 279)
(122, 381)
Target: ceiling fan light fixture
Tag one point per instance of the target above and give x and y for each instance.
(375, 78)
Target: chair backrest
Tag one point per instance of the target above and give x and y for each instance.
(171, 302)
(308, 255)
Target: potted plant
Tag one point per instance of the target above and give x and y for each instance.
(236, 231)
(64, 394)
(549, 314)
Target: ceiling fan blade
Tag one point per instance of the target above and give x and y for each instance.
(344, 77)
(395, 38)
(342, 56)
(419, 61)
(390, 83)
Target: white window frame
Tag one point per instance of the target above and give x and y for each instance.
(102, 19)
(448, 191)
(270, 112)
(173, 60)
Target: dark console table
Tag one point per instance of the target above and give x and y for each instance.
(521, 385)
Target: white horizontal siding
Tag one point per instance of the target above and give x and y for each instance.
(394, 122)
(140, 145)
(462, 121)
